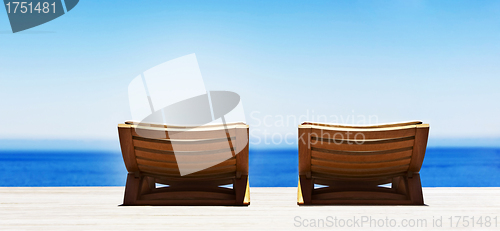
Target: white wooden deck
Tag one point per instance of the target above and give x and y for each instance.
(91, 208)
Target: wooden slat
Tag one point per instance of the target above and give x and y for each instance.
(194, 187)
(186, 157)
(159, 171)
(202, 165)
(242, 151)
(360, 141)
(205, 145)
(189, 181)
(342, 188)
(366, 146)
(398, 124)
(165, 157)
(336, 183)
(361, 157)
(382, 133)
(304, 152)
(175, 172)
(183, 134)
(143, 124)
(201, 202)
(419, 148)
(215, 170)
(324, 178)
(361, 202)
(359, 172)
(168, 165)
(128, 153)
(188, 195)
(359, 195)
(363, 166)
(220, 179)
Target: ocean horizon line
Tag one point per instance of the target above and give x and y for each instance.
(114, 145)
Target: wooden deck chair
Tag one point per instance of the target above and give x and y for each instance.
(151, 162)
(350, 164)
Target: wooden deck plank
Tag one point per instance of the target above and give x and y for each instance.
(77, 208)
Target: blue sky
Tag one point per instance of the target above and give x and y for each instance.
(436, 61)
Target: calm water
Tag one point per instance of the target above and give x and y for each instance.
(443, 167)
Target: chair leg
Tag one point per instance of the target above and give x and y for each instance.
(399, 184)
(306, 187)
(132, 189)
(148, 184)
(240, 188)
(415, 189)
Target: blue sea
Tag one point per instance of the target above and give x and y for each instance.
(443, 167)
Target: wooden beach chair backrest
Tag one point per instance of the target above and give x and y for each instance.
(352, 151)
(342, 164)
(213, 155)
